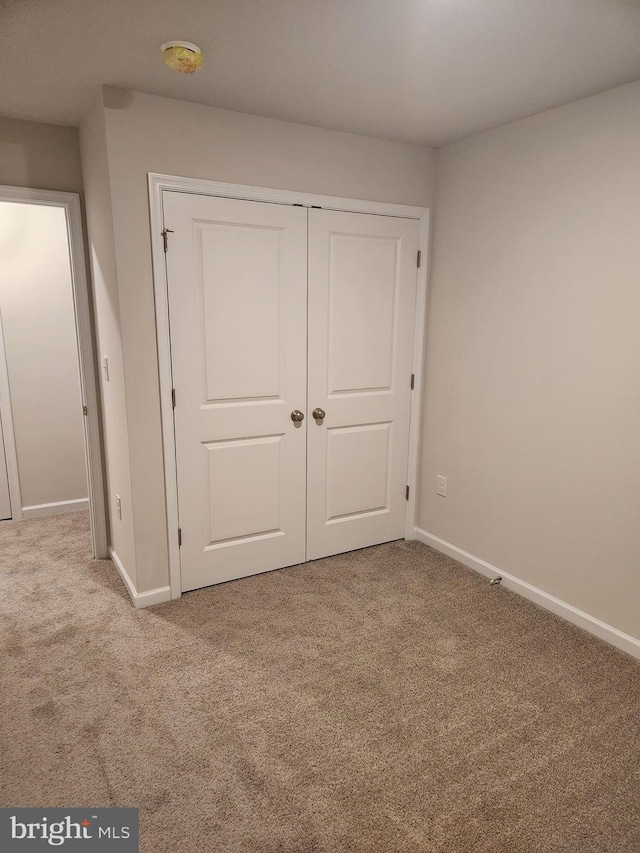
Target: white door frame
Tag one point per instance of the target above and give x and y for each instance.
(70, 203)
(6, 423)
(158, 183)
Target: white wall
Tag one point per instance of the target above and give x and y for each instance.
(43, 156)
(532, 408)
(36, 307)
(145, 133)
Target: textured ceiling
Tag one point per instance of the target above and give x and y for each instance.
(424, 71)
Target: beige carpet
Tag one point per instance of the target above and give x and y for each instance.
(383, 700)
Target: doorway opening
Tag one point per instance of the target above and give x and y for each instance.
(50, 449)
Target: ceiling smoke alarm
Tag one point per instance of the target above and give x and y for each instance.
(182, 56)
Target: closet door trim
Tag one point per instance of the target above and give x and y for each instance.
(158, 184)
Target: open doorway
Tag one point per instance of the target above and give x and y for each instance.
(50, 449)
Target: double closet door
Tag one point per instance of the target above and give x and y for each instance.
(291, 349)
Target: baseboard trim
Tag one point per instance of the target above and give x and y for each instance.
(589, 623)
(56, 508)
(139, 599)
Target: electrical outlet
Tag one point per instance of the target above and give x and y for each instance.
(118, 506)
(441, 488)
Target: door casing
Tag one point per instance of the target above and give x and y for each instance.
(158, 183)
(8, 454)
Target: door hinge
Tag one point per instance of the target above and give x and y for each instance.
(164, 233)
(407, 493)
(179, 537)
(173, 398)
(419, 258)
(413, 381)
(85, 411)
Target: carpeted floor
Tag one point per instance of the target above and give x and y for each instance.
(379, 701)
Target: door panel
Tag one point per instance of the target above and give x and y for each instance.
(362, 296)
(251, 307)
(5, 503)
(364, 448)
(237, 302)
(362, 289)
(257, 494)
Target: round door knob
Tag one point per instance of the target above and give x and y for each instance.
(319, 414)
(297, 416)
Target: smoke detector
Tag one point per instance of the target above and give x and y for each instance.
(182, 56)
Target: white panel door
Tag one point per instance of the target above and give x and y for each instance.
(362, 295)
(5, 503)
(236, 274)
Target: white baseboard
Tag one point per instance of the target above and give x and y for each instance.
(140, 599)
(56, 508)
(594, 626)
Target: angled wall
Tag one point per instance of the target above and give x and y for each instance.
(101, 250)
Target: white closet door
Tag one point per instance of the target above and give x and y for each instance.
(362, 289)
(5, 503)
(237, 304)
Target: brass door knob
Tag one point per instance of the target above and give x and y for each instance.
(297, 416)
(319, 414)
